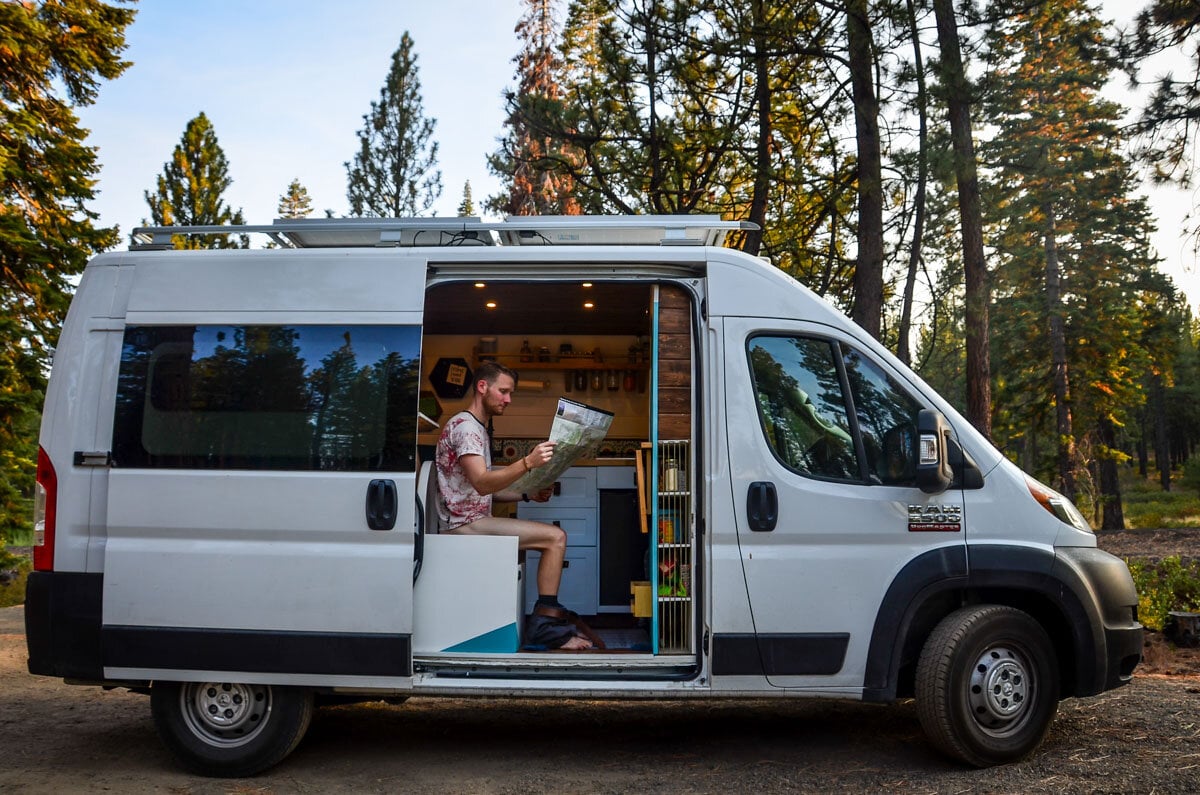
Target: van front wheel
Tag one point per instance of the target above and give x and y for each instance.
(987, 685)
(229, 729)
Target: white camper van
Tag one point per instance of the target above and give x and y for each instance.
(234, 489)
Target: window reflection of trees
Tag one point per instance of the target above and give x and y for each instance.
(245, 397)
(810, 436)
(887, 418)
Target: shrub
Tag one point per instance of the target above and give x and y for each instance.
(1164, 586)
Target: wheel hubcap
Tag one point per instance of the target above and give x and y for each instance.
(1000, 690)
(225, 714)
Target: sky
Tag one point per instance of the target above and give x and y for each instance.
(286, 83)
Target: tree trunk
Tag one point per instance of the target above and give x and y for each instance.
(1162, 445)
(914, 253)
(762, 100)
(1058, 359)
(867, 308)
(975, 275)
(1112, 517)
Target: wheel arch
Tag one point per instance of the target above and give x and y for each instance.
(1031, 579)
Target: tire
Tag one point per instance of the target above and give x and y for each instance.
(227, 729)
(987, 685)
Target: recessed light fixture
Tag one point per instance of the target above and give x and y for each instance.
(588, 305)
(480, 284)
(587, 284)
(490, 305)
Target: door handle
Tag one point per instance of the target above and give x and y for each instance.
(381, 504)
(762, 506)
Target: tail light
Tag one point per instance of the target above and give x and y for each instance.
(45, 499)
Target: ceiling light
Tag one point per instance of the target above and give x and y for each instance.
(587, 284)
(588, 305)
(480, 284)
(491, 304)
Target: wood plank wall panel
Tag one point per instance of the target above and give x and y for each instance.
(675, 363)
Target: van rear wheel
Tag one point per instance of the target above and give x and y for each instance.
(229, 729)
(987, 685)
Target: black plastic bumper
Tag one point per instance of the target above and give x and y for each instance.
(62, 624)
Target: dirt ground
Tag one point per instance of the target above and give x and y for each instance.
(1145, 737)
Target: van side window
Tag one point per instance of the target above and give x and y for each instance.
(802, 406)
(323, 398)
(887, 419)
(805, 410)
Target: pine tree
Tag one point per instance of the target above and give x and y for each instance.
(54, 57)
(529, 162)
(394, 173)
(466, 208)
(1070, 236)
(296, 202)
(190, 190)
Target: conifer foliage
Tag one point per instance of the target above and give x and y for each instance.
(190, 191)
(394, 173)
(296, 202)
(53, 56)
(530, 161)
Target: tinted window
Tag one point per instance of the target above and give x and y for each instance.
(331, 398)
(887, 418)
(802, 407)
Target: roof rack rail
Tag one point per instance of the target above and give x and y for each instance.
(515, 230)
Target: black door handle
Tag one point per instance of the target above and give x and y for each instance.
(762, 506)
(381, 504)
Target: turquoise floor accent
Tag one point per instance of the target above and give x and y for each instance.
(504, 639)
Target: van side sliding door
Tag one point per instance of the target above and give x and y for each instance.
(260, 504)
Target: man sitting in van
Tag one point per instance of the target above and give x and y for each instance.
(467, 486)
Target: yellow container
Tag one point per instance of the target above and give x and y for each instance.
(641, 599)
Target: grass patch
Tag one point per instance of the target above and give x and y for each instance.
(1148, 507)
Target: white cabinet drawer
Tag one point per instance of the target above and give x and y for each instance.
(579, 523)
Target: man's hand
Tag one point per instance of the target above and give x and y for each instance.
(540, 455)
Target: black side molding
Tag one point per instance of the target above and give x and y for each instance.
(802, 654)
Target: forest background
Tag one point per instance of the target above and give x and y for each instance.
(954, 176)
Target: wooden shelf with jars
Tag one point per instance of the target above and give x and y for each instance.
(562, 363)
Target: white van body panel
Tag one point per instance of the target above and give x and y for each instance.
(234, 561)
(78, 413)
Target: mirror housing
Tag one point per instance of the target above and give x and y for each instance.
(932, 454)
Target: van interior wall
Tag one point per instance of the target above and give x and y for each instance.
(534, 404)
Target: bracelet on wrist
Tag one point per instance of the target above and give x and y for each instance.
(525, 461)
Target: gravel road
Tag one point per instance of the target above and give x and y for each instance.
(60, 738)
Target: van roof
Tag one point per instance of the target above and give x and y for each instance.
(523, 230)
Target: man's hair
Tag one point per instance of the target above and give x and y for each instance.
(490, 371)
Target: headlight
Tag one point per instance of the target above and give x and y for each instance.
(1059, 506)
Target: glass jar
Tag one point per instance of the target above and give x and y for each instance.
(612, 380)
(597, 380)
(581, 380)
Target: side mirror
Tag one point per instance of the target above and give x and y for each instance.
(932, 453)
